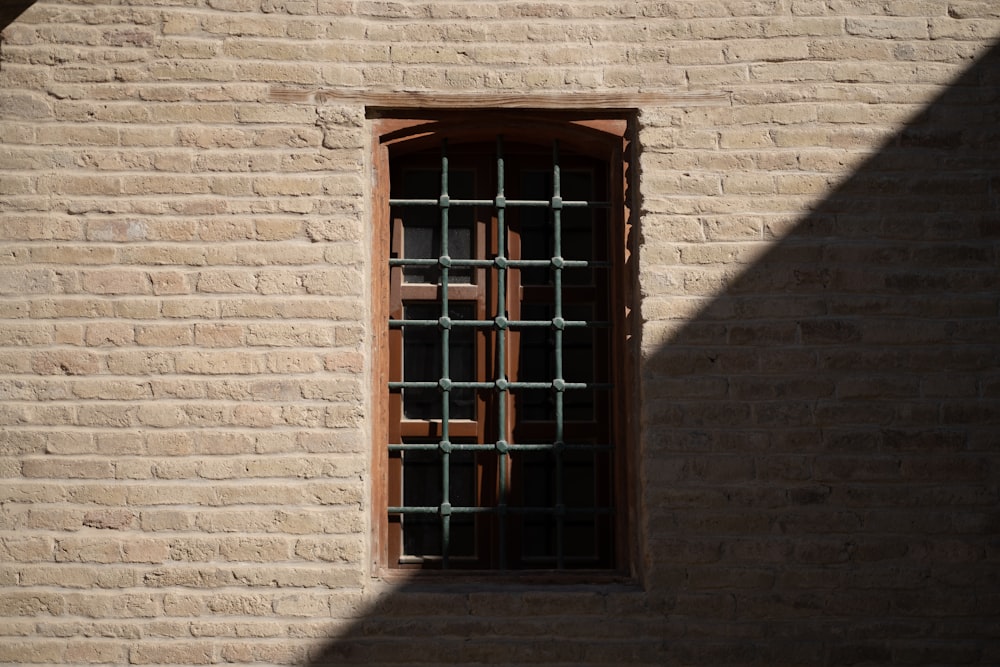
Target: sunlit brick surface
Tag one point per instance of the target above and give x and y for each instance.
(185, 331)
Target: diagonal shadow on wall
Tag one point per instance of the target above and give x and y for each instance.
(821, 447)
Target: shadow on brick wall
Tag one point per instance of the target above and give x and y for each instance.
(822, 447)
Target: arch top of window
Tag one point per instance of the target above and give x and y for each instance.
(597, 135)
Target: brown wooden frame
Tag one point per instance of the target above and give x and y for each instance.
(606, 136)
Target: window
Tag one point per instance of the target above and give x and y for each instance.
(500, 305)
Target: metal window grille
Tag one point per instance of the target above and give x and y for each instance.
(502, 386)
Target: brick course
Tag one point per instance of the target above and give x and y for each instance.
(185, 334)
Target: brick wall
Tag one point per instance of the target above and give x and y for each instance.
(184, 304)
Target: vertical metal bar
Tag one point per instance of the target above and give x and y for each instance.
(445, 382)
(557, 320)
(501, 334)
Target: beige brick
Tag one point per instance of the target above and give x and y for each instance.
(164, 335)
(183, 388)
(329, 549)
(214, 363)
(25, 334)
(748, 183)
(164, 520)
(145, 551)
(228, 229)
(140, 363)
(93, 652)
(163, 255)
(111, 389)
(971, 9)
(301, 604)
(58, 467)
(279, 282)
(290, 335)
(176, 47)
(192, 653)
(278, 229)
(26, 548)
(190, 308)
(223, 281)
(230, 604)
(255, 549)
(973, 29)
(137, 308)
(218, 335)
(27, 651)
(109, 333)
(183, 605)
(65, 362)
(30, 281)
(241, 629)
(116, 281)
(344, 361)
(268, 254)
(887, 28)
(88, 550)
(82, 254)
(287, 186)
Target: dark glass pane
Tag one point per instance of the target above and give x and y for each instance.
(540, 531)
(422, 487)
(535, 225)
(577, 225)
(579, 479)
(538, 483)
(538, 364)
(422, 224)
(422, 363)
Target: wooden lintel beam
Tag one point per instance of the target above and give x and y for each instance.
(479, 100)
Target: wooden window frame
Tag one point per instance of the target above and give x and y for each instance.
(606, 136)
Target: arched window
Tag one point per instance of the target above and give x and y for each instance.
(501, 306)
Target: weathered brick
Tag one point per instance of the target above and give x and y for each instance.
(115, 281)
(151, 653)
(28, 651)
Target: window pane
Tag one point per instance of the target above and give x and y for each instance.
(540, 530)
(578, 225)
(422, 224)
(422, 487)
(558, 503)
(538, 364)
(536, 225)
(422, 363)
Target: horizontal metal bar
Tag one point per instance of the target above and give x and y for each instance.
(489, 263)
(436, 202)
(575, 324)
(435, 510)
(491, 447)
(434, 384)
(566, 447)
(454, 384)
(509, 509)
(574, 203)
(596, 324)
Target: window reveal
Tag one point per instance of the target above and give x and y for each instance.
(504, 360)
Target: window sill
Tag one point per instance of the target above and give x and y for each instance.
(485, 580)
